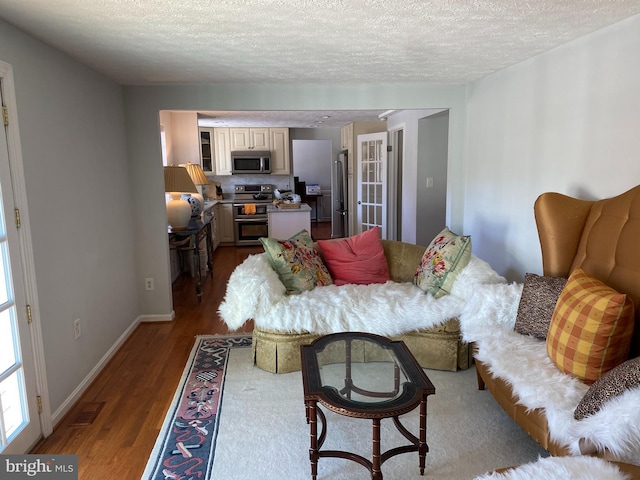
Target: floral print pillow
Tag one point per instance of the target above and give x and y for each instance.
(443, 259)
(297, 262)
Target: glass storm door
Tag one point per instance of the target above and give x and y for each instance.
(19, 420)
(372, 182)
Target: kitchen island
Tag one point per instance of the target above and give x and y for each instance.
(284, 223)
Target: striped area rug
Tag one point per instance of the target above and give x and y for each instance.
(186, 444)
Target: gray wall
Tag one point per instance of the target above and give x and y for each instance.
(433, 150)
(564, 121)
(71, 123)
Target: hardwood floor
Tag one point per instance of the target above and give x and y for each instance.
(131, 396)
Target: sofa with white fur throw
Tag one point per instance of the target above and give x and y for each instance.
(397, 308)
(560, 352)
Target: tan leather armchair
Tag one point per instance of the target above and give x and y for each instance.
(603, 238)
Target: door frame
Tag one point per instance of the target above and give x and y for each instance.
(394, 180)
(26, 245)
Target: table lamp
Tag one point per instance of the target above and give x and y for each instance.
(176, 182)
(199, 178)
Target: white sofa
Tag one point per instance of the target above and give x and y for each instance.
(397, 309)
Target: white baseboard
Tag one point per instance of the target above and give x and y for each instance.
(80, 389)
(158, 318)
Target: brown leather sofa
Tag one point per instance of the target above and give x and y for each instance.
(601, 237)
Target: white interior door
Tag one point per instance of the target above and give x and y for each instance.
(372, 182)
(19, 420)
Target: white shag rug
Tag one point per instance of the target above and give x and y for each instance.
(254, 291)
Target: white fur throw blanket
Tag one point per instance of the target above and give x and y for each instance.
(562, 468)
(488, 319)
(255, 292)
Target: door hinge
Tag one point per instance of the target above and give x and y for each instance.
(29, 317)
(39, 400)
(17, 213)
(5, 115)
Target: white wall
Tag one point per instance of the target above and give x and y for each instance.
(566, 121)
(312, 161)
(71, 123)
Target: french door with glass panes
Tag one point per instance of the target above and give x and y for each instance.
(371, 189)
(19, 420)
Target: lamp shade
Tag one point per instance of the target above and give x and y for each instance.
(197, 174)
(177, 179)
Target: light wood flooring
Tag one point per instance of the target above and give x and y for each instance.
(114, 425)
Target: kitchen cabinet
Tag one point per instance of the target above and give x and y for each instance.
(226, 230)
(346, 136)
(207, 141)
(280, 151)
(250, 139)
(274, 140)
(222, 151)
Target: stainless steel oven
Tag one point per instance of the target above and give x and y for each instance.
(250, 217)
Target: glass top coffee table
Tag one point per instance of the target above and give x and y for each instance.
(364, 376)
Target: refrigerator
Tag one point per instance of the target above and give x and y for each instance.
(339, 196)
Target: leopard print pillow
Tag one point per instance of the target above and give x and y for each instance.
(539, 297)
(612, 384)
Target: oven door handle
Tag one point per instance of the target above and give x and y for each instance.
(251, 220)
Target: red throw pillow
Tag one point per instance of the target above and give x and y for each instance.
(359, 259)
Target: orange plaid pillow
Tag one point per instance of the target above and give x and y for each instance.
(591, 328)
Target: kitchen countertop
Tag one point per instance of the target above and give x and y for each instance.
(303, 208)
(212, 203)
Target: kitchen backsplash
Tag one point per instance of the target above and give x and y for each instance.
(227, 182)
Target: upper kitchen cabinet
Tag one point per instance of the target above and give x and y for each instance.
(274, 140)
(207, 150)
(346, 136)
(250, 139)
(222, 150)
(280, 151)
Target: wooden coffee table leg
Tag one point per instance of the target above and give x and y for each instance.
(422, 445)
(313, 427)
(376, 472)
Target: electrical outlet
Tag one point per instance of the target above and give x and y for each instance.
(76, 328)
(148, 284)
(430, 182)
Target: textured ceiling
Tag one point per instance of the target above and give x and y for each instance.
(308, 41)
(345, 42)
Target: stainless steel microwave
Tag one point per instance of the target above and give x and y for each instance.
(250, 162)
